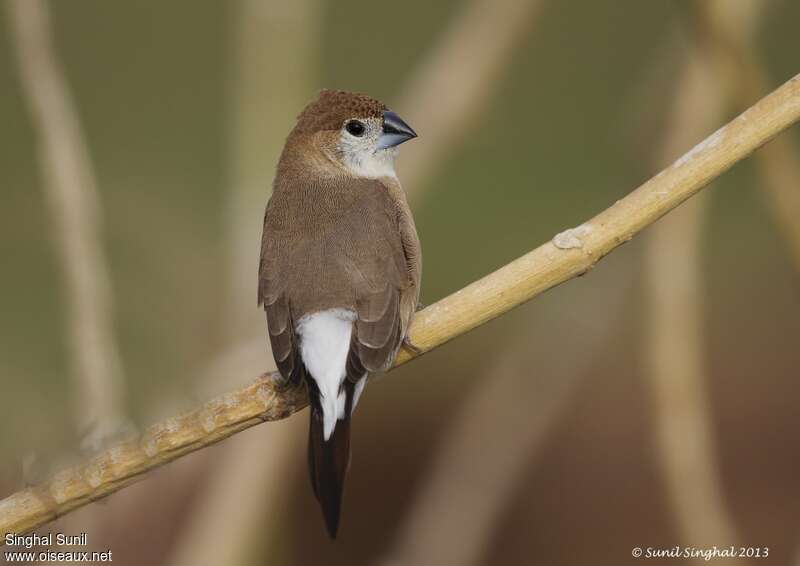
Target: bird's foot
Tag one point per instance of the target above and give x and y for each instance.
(275, 378)
(411, 347)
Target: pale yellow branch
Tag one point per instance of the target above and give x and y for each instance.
(575, 251)
(569, 254)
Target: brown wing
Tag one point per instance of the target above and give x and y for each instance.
(280, 325)
(377, 332)
(389, 282)
(338, 247)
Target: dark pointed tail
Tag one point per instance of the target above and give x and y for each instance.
(328, 461)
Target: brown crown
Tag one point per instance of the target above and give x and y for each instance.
(333, 107)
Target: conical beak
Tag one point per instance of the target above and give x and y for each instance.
(395, 131)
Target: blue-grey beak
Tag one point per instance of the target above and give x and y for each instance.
(395, 131)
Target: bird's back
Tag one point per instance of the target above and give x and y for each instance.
(336, 245)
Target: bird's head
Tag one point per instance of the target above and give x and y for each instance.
(351, 131)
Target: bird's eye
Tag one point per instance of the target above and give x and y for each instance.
(355, 128)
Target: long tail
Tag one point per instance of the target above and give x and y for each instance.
(328, 462)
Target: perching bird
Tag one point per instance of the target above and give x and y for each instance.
(340, 268)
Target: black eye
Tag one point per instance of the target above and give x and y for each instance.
(356, 128)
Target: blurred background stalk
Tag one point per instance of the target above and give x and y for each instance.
(273, 63)
(727, 33)
(684, 435)
(450, 89)
(676, 339)
(76, 229)
(75, 222)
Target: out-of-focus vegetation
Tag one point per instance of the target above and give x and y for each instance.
(570, 127)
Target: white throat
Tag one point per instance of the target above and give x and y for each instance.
(362, 160)
(371, 165)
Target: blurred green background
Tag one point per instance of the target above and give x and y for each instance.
(569, 127)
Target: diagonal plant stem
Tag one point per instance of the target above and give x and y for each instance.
(76, 217)
(569, 254)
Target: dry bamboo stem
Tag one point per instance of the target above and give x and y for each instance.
(569, 254)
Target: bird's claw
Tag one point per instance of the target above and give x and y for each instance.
(411, 347)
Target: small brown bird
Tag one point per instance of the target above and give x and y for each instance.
(340, 268)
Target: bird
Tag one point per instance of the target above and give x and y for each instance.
(340, 268)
